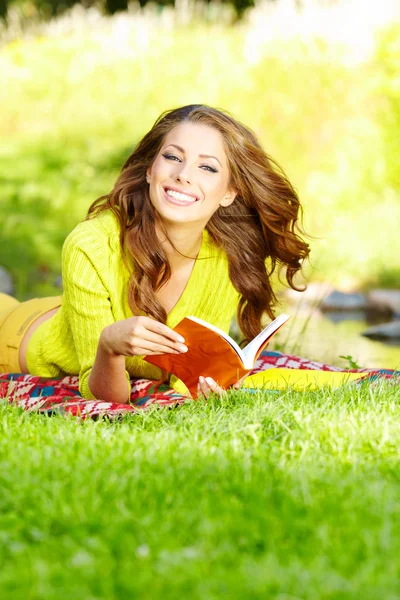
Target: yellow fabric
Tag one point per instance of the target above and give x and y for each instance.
(7, 305)
(299, 379)
(95, 295)
(15, 318)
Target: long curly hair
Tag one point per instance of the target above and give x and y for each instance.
(258, 231)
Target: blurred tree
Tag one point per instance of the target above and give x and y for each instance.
(3, 9)
(113, 6)
(45, 8)
(54, 7)
(50, 8)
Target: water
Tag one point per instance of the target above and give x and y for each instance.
(327, 338)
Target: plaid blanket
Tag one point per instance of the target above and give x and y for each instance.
(61, 395)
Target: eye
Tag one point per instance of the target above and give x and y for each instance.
(171, 157)
(209, 168)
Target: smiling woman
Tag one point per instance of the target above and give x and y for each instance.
(195, 225)
(183, 175)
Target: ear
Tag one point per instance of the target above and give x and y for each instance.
(148, 175)
(228, 198)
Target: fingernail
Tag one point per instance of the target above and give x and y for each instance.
(180, 338)
(210, 381)
(183, 348)
(201, 379)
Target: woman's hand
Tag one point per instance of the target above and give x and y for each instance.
(138, 336)
(207, 386)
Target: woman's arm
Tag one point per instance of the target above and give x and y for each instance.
(135, 336)
(86, 300)
(100, 342)
(107, 379)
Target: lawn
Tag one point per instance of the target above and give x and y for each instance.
(281, 496)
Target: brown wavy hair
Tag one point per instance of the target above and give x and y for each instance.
(258, 231)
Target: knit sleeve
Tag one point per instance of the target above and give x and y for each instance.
(86, 300)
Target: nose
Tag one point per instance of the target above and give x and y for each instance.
(183, 175)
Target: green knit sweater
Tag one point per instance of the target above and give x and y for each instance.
(95, 295)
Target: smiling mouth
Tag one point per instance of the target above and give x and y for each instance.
(180, 197)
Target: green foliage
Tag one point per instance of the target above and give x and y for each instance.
(352, 364)
(46, 9)
(3, 9)
(290, 495)
(388, 68)
(46, 192)
(75, 105)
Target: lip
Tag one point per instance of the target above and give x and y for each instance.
(180, 191)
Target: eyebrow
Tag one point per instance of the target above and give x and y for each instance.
(201, 155)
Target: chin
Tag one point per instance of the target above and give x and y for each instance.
(174, 214)
(174, 219)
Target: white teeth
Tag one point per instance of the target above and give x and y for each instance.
(181, 197)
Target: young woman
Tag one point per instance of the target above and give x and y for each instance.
(196, 223)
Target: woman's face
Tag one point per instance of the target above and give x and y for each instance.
(189, 178)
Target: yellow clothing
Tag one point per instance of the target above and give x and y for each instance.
(282, 378)
(95, 295)
(15, 319)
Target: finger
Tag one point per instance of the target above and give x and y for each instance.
(199, 392)
(214, 387)
(161, 351)
(239, 383)
(145, 351)
(209, 386)
(160, 340)
(204, 389)
(164, 330)
(151, 348)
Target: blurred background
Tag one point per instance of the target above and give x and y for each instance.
(318, 81)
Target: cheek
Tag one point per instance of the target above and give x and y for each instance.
(157, 170)
(216, 190)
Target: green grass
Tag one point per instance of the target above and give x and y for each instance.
(282, 496)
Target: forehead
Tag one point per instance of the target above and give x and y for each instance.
(195, 138)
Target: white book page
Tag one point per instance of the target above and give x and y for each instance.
(252, 347)
(226, 337)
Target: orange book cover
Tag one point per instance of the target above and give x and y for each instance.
(213, 353)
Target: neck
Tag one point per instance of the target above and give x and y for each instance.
(187, 242)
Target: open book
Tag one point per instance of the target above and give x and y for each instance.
(213, 353)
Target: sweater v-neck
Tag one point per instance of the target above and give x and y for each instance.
(185, 302)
